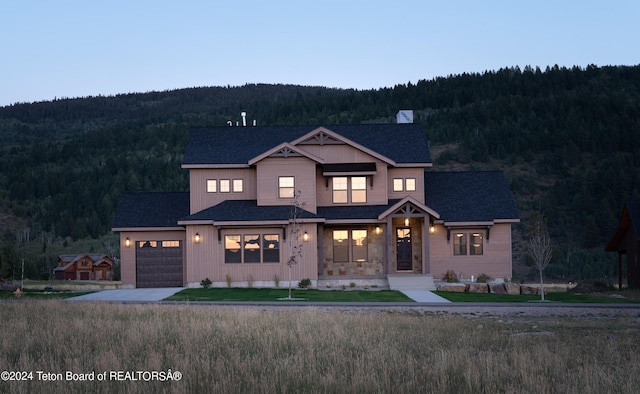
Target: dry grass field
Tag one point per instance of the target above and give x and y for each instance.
(126, 348)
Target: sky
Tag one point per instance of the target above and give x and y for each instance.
(77, 48)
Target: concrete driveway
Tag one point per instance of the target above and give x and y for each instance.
(133, 295)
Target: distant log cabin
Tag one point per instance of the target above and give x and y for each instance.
(84, 267)
(626, 241)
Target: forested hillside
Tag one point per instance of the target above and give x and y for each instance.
(568, 140)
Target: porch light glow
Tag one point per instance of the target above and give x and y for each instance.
(127, 242)
(378, 230)
(196, 238)
(305, 236)
(432, 229)
(406, 221)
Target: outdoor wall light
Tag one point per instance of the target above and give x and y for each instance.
(432, 229)
(305, 236)
(406, 221)
(378, 230)
(127, 242)
(196, 238)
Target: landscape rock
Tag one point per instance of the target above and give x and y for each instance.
(497, 288)
(477, 288)
(512, 289)
(455, 287)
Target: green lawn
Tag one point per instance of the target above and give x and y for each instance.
(556, 297)
(314, 295)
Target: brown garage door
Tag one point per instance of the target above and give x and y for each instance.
(159, 264)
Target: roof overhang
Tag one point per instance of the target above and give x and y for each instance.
(285, 150)
(352, 169)
(143, 229)
(207, 166)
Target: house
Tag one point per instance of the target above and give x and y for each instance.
(371, 208)
(626, 241)
(84, 267)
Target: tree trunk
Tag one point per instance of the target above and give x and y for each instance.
(541, 287)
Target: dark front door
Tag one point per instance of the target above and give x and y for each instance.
(403, 249)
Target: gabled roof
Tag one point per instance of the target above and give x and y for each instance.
(245, 211)
(402, 143)
(150, 210)
(630, 219)
(470, 196)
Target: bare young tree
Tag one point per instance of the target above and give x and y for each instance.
(538, 246)
(295, 228)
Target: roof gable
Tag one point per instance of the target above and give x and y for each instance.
(285, 150)
(400, 144)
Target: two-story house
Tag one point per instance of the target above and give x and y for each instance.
(371, 207)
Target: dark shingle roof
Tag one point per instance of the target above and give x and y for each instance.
(354, 211)
(151, 209)
(402, 143)
(245, 211)
(469, 196)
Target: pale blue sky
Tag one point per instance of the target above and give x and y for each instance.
(77, 48)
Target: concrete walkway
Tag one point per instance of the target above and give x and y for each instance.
(133, 295)
(423, 296)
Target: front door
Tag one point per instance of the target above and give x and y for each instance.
(403, 249)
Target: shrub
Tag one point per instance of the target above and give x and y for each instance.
(352, 284)
(484, 278)
(206, 283)
(304, 283)
(450, 276)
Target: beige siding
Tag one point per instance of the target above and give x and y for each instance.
(128, 254)
(200, 199)
(404, 174)
(207, 258)
(495, 261)
(338, 153)
(301, 168)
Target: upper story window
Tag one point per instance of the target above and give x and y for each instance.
(212, 186)
(404, 184)
(238, 186)
(286, 187)
(225, 185)
(349, 189)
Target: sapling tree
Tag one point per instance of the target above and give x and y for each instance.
(295, 229)
(538, 245)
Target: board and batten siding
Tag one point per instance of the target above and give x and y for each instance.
(128, 254)
(206, 258)
(200, 199)
(301, 168)
(495, 260)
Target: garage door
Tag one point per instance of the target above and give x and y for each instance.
(159, 264)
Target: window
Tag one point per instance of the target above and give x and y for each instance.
(460, 244)
(237, 186)
(340, 190)
(232, 252)
(225, 186)
(350, 245)
(397, 184)
(212, 186)
(355, 186)
(401, 184)
(286, 187)
(475, 246)
(410, 184)
(475, 249)
(148, 244)
(170, 244)
(358, 189)
(252, 248)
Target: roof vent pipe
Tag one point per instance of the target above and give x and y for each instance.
(244, 118)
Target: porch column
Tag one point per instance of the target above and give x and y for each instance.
(426, 247)
(320, 240)
(389, 247)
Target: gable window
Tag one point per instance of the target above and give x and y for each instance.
(237, 186)
(350, 245)
(225, 185)
(349, 189)
(460, 244)
(402, 184)
(252, 248)
(286, 186)
(212, 186)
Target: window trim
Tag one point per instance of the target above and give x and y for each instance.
(237, 185)
(350, 245)
(210, 183)
(469, 249)
(262, 246)
(348, 191)
(288, 189)
(225, 186)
